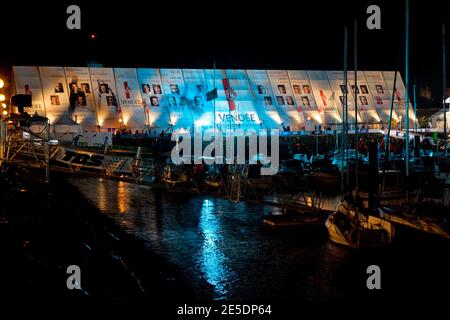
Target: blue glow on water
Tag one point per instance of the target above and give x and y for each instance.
(212, 259)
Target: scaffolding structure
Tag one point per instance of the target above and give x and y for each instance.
(26, 141)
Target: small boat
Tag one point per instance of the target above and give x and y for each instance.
(347, 226)
(295, 219)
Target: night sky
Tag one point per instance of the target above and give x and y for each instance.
(237, 34)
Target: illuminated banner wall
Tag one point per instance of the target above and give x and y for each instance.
(195, 93)
(264, 99)
(244, 113)
(324, 96)
(380, 94)
(366, 106)
(224, 107)
(27, 81)
(81, 98)
(54, 89)
(284, 99)
(130, 100)
(399, 95)
(156, 114)
(180, 114)
(105, 95)
(336, 79)
(303, 94)
(145, 98)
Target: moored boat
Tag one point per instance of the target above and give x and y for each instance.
(348, 227)
(410, 218)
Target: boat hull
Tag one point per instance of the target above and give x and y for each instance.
(368, 232)
(422, 224)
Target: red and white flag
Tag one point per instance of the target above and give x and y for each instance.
(230, 94)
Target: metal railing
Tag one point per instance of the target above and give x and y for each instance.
(22, 144)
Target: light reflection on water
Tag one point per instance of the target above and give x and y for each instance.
(122, 197)
(224, 252)
(212, 259)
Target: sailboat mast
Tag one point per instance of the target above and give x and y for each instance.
(407, 89)
(344, 108)
(355, 57)
(415, 119)
(444, 86)
(214, 101)
(387, 144)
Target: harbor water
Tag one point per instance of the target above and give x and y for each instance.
(224, 251)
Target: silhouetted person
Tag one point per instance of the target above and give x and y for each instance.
(75, 140)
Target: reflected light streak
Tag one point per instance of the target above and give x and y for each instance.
(102, 195)
(213, 261)
(122, 197)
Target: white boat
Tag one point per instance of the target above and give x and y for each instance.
(348, 227)
(426, 224)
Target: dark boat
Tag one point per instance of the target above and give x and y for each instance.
(296, 219)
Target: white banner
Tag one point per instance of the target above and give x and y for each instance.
(195, 93)
(304, 96)
(157, 114)
(399, 96)
(106, 100)
(264, 99)
(81, 98)
(130, 100)
(324, 96)
(160, 98)
(54, 88)
(245, 114)
(366, 106)
(175, 98)
(284, 98)
(27, 81)
(336, 80)
(220, 105)
(380, 95)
